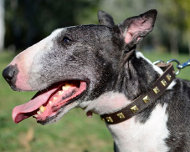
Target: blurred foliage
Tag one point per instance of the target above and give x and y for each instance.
(170, 31)
(28, 21)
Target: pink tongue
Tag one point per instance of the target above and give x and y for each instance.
(24, 111)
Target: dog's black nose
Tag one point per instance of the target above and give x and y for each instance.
(10, 73)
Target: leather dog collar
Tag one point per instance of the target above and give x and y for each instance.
(144, 100)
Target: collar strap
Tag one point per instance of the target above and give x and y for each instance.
(144, 100)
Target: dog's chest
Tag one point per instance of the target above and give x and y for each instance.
(133, 136)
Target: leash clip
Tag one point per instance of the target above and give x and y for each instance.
(184, 65)
(179, 66)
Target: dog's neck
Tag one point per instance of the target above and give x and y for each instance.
(135, 81)
(138, 76)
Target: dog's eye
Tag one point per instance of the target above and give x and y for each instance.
(66, 40)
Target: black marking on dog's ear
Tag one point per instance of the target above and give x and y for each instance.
(134, 29)
(105, 19)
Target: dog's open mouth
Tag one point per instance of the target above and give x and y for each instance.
(46, 104)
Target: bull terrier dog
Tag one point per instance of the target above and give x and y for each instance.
(97, 68)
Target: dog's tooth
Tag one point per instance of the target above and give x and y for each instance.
(38, 112)
(35, 116)
(42, 108)
(60, 93)
(54, 98)
(66, 87)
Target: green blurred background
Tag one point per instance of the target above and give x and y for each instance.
(25, 22)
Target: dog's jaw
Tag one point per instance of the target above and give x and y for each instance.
(62, 112)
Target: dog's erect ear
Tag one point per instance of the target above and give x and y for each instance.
(105, 19)
(134, 29)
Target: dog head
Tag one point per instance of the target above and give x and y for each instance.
(73, 65)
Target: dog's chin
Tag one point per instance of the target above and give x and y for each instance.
(51, 104)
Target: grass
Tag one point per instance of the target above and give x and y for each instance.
(75, 132)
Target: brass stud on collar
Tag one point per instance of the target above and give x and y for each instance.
(168, 76)
(109, 119)
(163, 82)
(121, 115)
(146, 99)
(156, 90)
(134, 109)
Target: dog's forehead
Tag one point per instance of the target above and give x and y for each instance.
(83, 32)
(88, 28)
